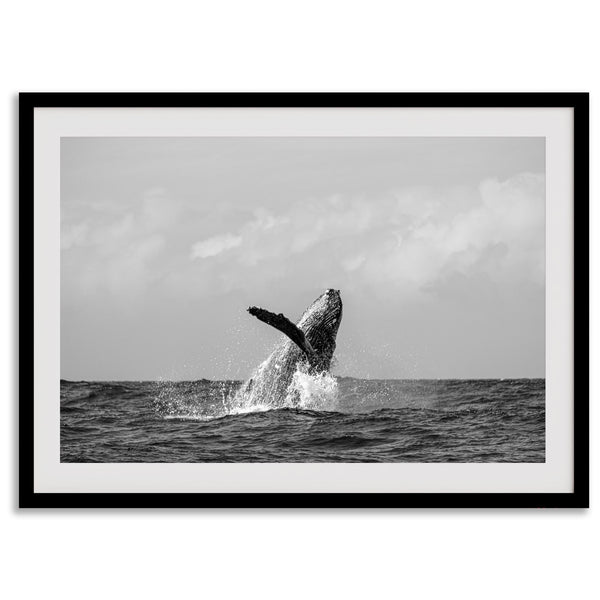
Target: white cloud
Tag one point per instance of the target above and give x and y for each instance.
(74, 235)
(354, 262)
(133, 271)
(407, 241)
(501, 234)
(215, 245)
(410, 239)
(119, 250)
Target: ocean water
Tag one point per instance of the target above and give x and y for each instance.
(325, 419)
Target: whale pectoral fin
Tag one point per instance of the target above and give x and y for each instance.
(284, 325)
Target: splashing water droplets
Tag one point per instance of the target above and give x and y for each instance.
(312, 392)
(204, 401)
(304, 390)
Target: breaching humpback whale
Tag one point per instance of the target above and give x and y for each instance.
(309, 344)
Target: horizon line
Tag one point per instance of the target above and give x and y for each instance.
(160, 380)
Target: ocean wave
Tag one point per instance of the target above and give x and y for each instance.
(325, 419)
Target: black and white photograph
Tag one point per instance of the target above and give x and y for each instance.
(302, 299)
(298, 300)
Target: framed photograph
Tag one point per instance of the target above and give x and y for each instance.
(304, 300)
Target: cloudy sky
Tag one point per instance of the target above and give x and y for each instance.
(437, 246)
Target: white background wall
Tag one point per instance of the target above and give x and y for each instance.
(309, 45)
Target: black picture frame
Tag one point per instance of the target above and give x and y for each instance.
(579, 498)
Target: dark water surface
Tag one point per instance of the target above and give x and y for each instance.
(340, 420)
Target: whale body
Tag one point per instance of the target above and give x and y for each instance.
(309, 345)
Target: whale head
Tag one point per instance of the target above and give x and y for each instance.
(324, 314)
(316, 331)
(320, 323)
